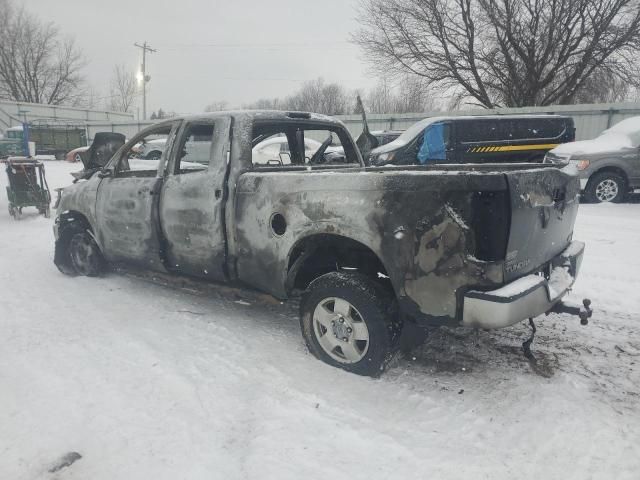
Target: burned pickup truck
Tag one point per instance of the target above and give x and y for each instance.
(367, 248)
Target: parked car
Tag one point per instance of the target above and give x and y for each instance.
(609, 165)
(151, 149)
(368, 249)
(74, 155)
(386, 136)
(476, 139)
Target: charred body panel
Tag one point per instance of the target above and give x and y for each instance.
(419, 224)
(432, 233)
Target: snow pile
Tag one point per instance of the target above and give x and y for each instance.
(518, 287)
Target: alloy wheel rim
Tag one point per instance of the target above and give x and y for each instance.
(340, 330)
(607, 190)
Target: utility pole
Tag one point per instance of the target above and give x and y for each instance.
(145, 78)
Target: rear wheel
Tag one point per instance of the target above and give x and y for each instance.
(85, 255)
(347, 321)
(606, 187)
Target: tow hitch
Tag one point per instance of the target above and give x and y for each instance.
(583, 311)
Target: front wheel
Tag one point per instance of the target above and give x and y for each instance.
(347, 321)
(606, 187)
(85, 255)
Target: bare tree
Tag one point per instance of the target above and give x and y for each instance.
(410, 94)
(313, 96)
(217, 106)
(318, 96)
(124, 89)
(504, 52)
(36, 63)
(381, 98)
(266, 104)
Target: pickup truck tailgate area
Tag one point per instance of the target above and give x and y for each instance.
(544, 205)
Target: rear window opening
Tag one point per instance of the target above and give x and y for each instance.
(287, 146)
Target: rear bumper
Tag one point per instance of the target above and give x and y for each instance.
(526, 297)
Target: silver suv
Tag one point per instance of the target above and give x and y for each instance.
(609, 165)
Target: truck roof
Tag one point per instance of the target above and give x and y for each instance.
(261, 115)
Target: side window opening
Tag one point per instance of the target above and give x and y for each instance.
(142, 159)
(271, 150)
(194, 152)
(293, 145)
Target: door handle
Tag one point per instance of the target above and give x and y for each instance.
(142, 191)
(218, 193)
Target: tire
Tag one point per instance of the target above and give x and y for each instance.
(85, 255)
(349, 322)
(155, 155)
(606, 187)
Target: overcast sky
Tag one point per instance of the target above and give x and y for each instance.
(233, 50)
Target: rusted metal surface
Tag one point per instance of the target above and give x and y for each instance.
(263, 227)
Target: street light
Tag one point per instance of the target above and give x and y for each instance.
(142, 76)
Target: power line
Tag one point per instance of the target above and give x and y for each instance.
(283, 45)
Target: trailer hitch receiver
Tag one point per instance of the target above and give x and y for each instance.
(583, 311)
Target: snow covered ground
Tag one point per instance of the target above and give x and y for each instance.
(146, 381)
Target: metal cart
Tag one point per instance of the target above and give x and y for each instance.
(27, 186)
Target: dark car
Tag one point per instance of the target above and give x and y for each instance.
(477, 139)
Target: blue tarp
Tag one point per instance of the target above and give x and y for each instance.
(433, 147)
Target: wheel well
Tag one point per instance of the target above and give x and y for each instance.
(72, 217)
(612, 169)
(323, 253)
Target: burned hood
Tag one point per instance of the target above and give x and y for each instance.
(104, 145)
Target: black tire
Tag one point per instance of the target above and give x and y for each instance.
(594, 193)
(370, 304)
(85, 255)
(154, 155)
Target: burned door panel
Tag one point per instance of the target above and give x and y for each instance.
(192, 202)
(127, 202)
(127, 222)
